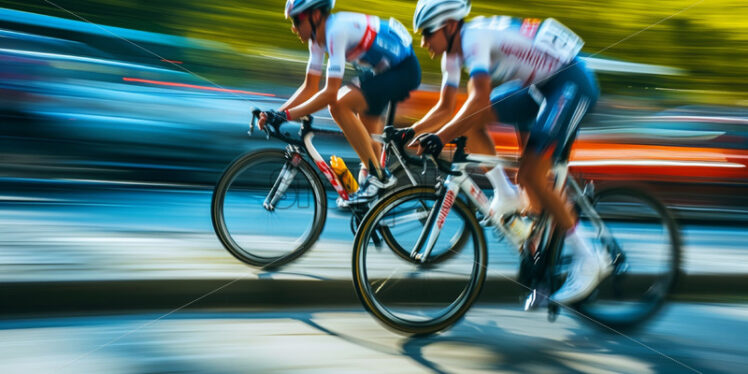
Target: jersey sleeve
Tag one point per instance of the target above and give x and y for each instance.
(451, 65)
(476, 55)
(316, 59)
(337, 41)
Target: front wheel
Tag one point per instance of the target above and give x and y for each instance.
(648, 239)
(408, 295)
(268, 208)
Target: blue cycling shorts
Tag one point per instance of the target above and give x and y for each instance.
(550, 110)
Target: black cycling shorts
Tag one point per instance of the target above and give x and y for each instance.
(393, 84)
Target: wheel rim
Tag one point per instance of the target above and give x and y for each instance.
(413, 297)
(649, 240)
(259, 234)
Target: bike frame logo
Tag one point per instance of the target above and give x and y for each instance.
(327, 171)
(478, 195)
(446, 206)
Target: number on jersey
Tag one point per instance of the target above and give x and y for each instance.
(557, 40)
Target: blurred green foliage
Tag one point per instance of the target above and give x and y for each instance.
(709, 41)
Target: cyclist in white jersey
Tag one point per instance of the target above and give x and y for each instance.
(546, 91)
(381, 49)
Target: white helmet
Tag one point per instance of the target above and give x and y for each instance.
(296, 7)
(432, 14)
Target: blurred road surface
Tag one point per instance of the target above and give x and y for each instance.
(90, 231)
(686, 338)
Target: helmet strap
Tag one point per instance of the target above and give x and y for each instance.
(314, 27)
(451, 40)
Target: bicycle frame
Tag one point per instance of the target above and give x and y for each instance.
(582, 198)
(287, 174)
(457, 181)
(294, 150)
(460, 182)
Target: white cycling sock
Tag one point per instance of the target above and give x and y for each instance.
(363, 172)
(578, 246)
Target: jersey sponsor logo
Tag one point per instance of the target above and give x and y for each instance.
(529, 27)
(537, 60)
(327, 171)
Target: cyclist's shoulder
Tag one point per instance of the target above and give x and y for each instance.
(349, 19)
(506, 25)
(495, 23)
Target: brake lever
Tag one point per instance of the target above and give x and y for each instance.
(253, 122)
(425, 164)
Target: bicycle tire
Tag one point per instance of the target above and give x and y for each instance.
(253, 255)
(397, 248)
(598, 306)
(456, 309)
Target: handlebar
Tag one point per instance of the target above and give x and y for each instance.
(388, 136)
(274, 129)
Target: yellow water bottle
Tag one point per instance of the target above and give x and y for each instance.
(345, 176)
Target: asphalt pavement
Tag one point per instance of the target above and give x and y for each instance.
(685, 338)
(86, 245)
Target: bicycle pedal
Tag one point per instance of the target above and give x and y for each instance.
(621, 269)
(500, 237)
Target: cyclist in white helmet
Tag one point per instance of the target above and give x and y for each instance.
(546, 91)
(381, 49)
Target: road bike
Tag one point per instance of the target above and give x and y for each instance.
(269, 206)
(426, 291)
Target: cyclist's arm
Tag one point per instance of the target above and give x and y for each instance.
(306, 91)
(451, 66)
(440, 113)
(320, 100)
(474, 112)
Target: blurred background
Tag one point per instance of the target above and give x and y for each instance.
(159, 92)
(118, 117)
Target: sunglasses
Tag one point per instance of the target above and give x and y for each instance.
(297, 20)
(427, 33)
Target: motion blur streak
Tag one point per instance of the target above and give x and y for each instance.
(655, 163)
(109, 156)
(209, 88)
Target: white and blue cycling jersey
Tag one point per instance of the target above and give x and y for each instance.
(527, 50)
(362, 39)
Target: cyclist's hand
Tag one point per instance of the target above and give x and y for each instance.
(428, 143)
(263, 119)
(271, 117)
(402, 136)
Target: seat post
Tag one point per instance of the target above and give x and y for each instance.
(390, 120)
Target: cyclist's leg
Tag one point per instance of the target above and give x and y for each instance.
(513, 105)
(344, 111)
(379, 90)
(535, 163)
(533, 173)
(480, 142)
(567, 99)
(374, 125)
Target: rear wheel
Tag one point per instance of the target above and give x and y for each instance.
(649, 241)
(268, 208)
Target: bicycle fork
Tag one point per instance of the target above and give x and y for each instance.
(284, 179)
(435, 221)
